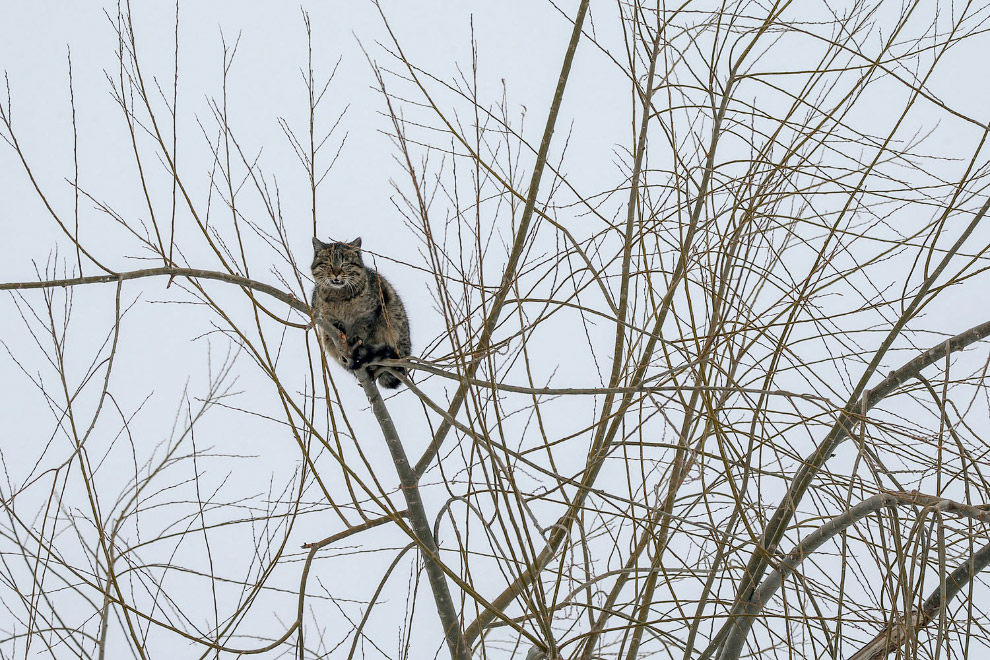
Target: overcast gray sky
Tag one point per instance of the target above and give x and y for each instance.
(171, 346)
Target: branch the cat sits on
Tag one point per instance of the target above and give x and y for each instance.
(362, 306)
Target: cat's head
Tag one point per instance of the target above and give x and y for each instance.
(338, 268)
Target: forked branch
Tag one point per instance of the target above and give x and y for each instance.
(895, 635)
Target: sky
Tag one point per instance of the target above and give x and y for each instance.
(168, 349)
(171, 348)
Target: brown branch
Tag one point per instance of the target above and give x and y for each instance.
(896, 635)
(191, 273)
(809, 467)
(7, 121)
(860, 401)
(612, 420)
(374, 522)
(313, 549)
(790, 562)
(420, 524)
(518, 244)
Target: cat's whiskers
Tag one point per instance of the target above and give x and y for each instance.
(362, 306)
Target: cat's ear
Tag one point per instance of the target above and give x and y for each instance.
(318, 244)
(356, 243)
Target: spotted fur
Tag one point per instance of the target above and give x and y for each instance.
(361, 304)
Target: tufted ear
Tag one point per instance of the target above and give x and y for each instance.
(317, 244)
(356, 243)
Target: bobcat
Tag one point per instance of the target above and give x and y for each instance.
(362, 306)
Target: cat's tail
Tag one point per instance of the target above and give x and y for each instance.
(385, 378)
(389, 380)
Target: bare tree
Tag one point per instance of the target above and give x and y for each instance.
(720, 396)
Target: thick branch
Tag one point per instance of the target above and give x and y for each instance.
(418, 521)
(896, 635)
(191, 273)
(810, 466)
(790, 562)
(860, 401)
